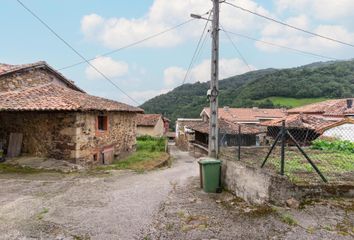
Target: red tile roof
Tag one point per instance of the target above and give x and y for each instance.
(148, 120)
(247, 114)
(227, 127)
(52, 97)
(330, 108)
(8, 69)
(300, 121)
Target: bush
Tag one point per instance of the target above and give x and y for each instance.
(333, 145)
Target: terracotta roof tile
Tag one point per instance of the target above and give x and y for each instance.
(148, 120)
(247, 114)
(334, 107)
(227, 127)
(52, 97)
(300, 121)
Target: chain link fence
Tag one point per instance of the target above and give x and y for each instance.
(300, 152)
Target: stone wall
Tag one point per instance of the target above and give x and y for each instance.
(28, 78)
(121, 134)
(44, 134)
(70, 136)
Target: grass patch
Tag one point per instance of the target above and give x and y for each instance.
(40, 215)
(293, 102)
(330, 163)
(150, 153)
(8, 168)
(288, 219)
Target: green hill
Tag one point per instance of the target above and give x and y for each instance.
(263, 88)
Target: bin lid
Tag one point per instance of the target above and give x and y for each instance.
(206, 161)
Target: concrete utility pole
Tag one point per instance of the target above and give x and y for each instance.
(214, 85)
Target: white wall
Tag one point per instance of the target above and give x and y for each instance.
(343, 132)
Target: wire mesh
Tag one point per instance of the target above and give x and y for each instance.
(330, 150)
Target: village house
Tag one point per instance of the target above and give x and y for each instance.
(304, 128)
(334, 109)
(251, 116)
(154, 125)
(231, 134)
(331, 118)
(44, 114)
(184, 134)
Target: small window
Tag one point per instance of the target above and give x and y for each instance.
(102, 123)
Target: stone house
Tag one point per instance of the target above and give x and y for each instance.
(154, 125)
(231, 134)
(250, 116)
(51, 117)
(334, 109)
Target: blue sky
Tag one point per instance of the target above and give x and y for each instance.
(94, 27)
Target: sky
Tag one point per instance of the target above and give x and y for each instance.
(95, 27)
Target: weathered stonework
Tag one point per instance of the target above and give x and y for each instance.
(70, 135)
(121, 135)
(43, 133)
(28, 78)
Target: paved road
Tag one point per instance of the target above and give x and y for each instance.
(112, 206)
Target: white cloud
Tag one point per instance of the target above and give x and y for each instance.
(163, 14)
(285, 36)
(319, 9)
(108, 67)
(173, 76)
(142, 96)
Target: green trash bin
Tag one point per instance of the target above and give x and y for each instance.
(210, 174)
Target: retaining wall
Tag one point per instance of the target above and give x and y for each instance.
(256, 185)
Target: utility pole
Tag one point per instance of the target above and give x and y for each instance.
(213, 147)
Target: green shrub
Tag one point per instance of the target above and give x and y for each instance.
(333, 145)
(151, 144)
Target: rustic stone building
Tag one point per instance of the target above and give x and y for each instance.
(154, 125)
(57, 119)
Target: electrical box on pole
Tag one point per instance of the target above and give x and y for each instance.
(214, 85)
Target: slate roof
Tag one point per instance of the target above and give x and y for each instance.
(227, 127)
(300, 121)
(52, 97)
(9, 69)
(330, 108)
(247, 114)
(148, 120)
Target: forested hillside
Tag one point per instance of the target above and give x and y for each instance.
(262, 88)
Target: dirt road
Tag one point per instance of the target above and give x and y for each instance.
(97, 206)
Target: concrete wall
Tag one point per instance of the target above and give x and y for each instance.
(342, 132)
(70, 135)
(258, 186)
(29, 78)
(155, 131)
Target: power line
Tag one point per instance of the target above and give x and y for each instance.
(198, 56)
(131, 44)
(281, 46)
(74, 50)
(290, 26)
(236, 48)
(196, 50)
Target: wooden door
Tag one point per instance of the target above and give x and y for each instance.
(15, 145)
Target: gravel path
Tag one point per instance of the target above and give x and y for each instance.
(76, 206)
(189, 213)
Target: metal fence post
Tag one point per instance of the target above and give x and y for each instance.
(239, 142)
(283, 139)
